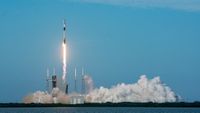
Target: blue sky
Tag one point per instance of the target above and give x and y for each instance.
(114, 40)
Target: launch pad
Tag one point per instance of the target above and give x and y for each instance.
(55, 82)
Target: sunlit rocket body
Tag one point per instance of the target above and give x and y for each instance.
(64, 49)
(64, 32)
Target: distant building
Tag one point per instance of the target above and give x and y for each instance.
(77, 99)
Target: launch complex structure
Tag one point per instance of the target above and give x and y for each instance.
(60, 82)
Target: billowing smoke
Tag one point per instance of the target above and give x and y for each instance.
(88, 84)
(38, 97)
(145, 90)
(56, 96)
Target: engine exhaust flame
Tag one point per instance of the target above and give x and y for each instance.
(64, 49)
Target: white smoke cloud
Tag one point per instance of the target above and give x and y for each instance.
(187, 5)
(56, 96)
(144, 90)
(88, 84)
(38, 97)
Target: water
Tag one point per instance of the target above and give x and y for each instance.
(99, 110)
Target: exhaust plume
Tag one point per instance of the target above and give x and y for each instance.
(64, 48)
(145, 90)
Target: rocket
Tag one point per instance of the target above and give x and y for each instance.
(64, 31)
(64, 40)
(64, 62)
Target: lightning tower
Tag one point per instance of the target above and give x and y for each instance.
(83, 82)
(75, 81)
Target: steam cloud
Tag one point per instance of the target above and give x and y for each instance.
(88, 84)
(144, 90)
(56, 96)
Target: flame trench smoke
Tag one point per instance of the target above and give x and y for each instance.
(64, 49)
(88, 84)
(56, 96)
(145, 90)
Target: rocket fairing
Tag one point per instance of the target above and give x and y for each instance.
(64, 23)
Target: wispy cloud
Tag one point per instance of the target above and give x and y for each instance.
(187, 5)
